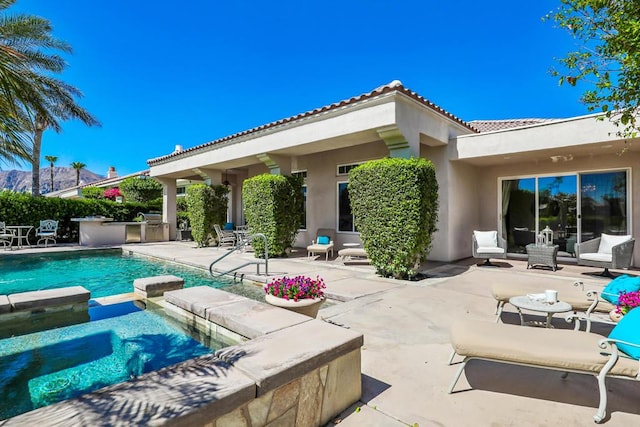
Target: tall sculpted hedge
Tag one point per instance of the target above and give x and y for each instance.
(395, 207)
(206, 206)
(273, 205)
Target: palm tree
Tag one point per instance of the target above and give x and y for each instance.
(30, 99)
(51, 160)
(78, 166)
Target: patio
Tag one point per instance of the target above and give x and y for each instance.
(406, 325)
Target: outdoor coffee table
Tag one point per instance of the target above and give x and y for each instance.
(542, 255)
(525, 302)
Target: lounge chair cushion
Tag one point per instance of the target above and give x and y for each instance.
(554, 348)
(627, 330)
(598, 257)
(486, 239)
(607, 242)
(323, 240)
(620, 284)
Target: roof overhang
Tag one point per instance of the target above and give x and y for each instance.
(559, 139)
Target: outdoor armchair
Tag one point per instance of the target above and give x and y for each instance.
(323, 243)
(487, 244)
(47, 231)
(606, 251)
(6, 236)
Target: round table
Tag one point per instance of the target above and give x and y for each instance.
(21, 237)
(525, 302)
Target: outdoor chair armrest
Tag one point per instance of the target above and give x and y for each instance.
(622, 254)
(588, 247)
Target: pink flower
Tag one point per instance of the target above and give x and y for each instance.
(627, 301)
(296, 288)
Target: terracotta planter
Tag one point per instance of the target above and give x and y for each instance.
(615, 316)
(308, 307)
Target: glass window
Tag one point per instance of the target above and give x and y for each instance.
(303, 220)
(344, 169)
(345, 217)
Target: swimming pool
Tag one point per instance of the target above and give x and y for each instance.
(101, 272)
(120, 342)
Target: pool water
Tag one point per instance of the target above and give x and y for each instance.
(120, 342)
(101, 272)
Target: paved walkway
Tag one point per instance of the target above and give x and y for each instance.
(406, 325)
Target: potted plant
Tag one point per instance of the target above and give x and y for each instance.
(626, 301)
(301, 294)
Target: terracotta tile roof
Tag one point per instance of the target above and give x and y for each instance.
(394, 86)
(494, 125)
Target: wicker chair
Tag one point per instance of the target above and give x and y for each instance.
(607, 252)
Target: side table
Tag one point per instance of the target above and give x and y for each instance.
(542, 255)
(524, 302)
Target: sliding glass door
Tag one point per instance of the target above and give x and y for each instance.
(576, 207)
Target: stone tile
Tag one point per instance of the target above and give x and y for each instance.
(155, 286)
(284, 398)
(49, 298)
(235, 418)
(286, 420)
(259, 409)
(310, 400)
(344, 385)
(200, 298)
(252, 318)
(278, 358)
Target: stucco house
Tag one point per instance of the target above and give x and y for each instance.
(515, 176)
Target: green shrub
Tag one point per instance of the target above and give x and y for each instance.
(24, 209)
(206, 206)
(395, 208)
(140, 189)
(273, 205)
(93, 193)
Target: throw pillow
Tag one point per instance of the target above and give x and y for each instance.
(608, 241)
(323, 240)
(486, 239)
(627, 330)
(228, 226)
(623, 283)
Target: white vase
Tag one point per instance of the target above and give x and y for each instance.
(308, 307)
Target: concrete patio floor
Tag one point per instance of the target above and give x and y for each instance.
(405, 374)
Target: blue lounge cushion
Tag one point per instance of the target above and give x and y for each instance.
(323, 240)
(623, 283)
(228, 226)
(627, 330)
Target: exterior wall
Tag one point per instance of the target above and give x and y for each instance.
(488, 183)
(322, 186)
(310, 400)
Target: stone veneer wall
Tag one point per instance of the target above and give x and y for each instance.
(311, 400)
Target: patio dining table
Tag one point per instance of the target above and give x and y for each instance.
(22, 234)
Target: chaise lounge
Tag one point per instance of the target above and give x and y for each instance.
(556, 349)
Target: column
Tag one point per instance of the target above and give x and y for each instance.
(169, 204)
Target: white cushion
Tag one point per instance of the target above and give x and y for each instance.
(489, 250)
(597, 257)
(608, 241)
(486, 239)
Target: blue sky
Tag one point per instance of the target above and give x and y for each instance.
(161, 73)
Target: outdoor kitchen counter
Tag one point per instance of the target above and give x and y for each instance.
(98, 231)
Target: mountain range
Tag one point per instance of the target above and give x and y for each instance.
(63, 177)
